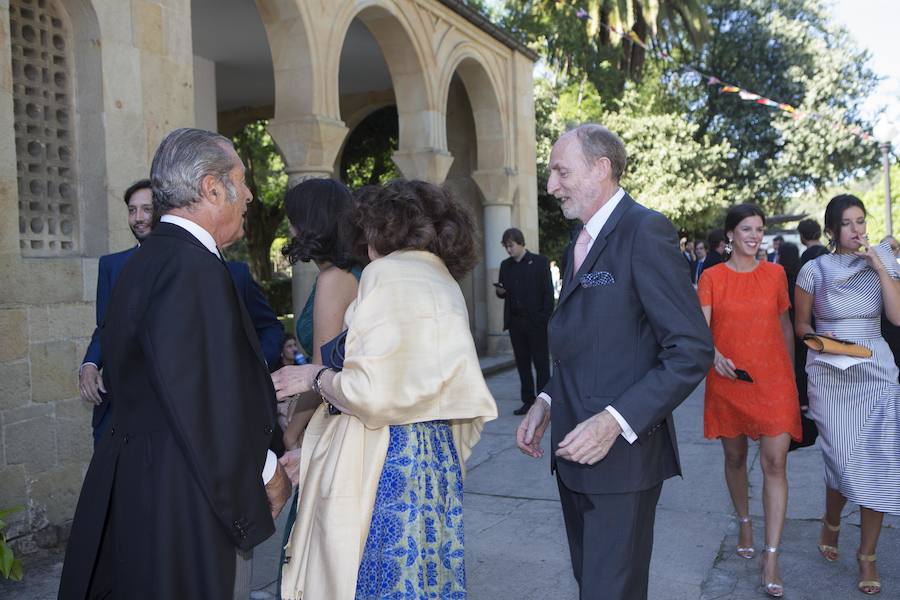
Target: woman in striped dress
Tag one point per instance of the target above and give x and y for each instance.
(857, 408)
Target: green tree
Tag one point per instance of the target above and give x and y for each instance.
(789, 51)
(267, 181)
(366, 159)
(575, 37)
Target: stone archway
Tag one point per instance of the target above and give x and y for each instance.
(493, 178)
(421, 150)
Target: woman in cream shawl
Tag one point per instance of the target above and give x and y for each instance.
(380, 510)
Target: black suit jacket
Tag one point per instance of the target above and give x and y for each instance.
(637, 342)
(531, 291)
(178, 475)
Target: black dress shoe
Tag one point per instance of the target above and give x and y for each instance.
(523, 409)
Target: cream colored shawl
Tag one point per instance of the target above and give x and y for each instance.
(409, 358)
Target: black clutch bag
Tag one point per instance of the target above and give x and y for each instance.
(333, 352)
(333, 358)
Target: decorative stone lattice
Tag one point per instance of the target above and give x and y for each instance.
(42, 70)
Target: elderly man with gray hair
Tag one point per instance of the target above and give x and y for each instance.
(182, 486)
(629, 344)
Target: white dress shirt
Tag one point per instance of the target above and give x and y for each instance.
(205, 238)
(594, 226)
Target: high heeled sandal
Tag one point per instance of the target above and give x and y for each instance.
(775, 590)
(744, 552)
(874, 585)
(829, 553)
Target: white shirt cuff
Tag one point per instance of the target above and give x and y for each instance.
(269, 470)
(627, 432)
(81, 368)
(544, 397)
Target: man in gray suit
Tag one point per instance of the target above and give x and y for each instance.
(630, 344)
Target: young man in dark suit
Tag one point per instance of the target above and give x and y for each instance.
(182, 486)
(629, 344)
(139, 200)
(527, 291)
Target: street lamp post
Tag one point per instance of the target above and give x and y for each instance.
(886, 161)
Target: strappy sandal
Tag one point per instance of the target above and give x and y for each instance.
(829, 553)
(869, 586)
(775, 590)
(744, 552)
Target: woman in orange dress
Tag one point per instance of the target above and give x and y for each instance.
(750, 391)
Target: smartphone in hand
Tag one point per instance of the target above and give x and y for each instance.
(743, 375)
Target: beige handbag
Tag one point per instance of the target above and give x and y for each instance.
(830, 345)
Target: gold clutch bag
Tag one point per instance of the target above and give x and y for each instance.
(830, 345)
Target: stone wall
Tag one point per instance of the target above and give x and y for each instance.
(143, 89)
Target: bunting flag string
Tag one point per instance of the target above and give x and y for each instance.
(729, 88)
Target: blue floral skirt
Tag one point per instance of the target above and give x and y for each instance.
(415, 544)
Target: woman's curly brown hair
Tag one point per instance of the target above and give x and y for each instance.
(416, 215)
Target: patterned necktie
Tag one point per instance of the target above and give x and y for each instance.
(581, 249)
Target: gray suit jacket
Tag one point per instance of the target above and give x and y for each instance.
(627, 332)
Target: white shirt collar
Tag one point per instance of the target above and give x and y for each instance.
(596, 222)
(202, 235)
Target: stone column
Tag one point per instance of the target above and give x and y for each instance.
(498, 186)
(309, 145)
(425, 164)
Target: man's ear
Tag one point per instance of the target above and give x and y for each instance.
(210, 189)
(604, 167)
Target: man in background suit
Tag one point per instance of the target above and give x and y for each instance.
(527, 291)
(698, 265)
(773, 256)
(139, 200)
(630, 343)
(182, 486)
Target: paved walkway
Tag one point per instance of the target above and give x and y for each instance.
(515, 539)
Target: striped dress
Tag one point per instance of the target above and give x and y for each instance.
(857, 410)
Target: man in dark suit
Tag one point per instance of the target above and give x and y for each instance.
(182, 485)
(139, 200)
(773, 256)
(630, 343)
(527, 291)
(698, 265)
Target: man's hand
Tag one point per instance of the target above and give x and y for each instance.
(278, 490)
(91, 384)
(291, 463)
(293, 380)
(591, 439)
(532, 428)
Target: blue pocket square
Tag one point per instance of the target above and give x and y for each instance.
(597, 278)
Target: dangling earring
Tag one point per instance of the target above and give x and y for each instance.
(728, 247)
(831, 244)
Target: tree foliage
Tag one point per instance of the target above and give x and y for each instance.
(366, 159)
(789, 51)
(576, 41)
(267, 181)
(692, 149)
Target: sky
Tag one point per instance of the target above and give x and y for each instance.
(873, 24)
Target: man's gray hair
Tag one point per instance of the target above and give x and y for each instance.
(599, 142)
(181, 162)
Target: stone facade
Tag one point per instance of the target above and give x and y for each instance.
(120, 74)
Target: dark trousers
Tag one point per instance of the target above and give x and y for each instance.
(529, 342)
(610, 541)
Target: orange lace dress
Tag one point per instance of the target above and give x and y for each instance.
(745, 313)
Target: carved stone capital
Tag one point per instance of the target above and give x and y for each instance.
(309, 144)
(426, 164)
(498, 186)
